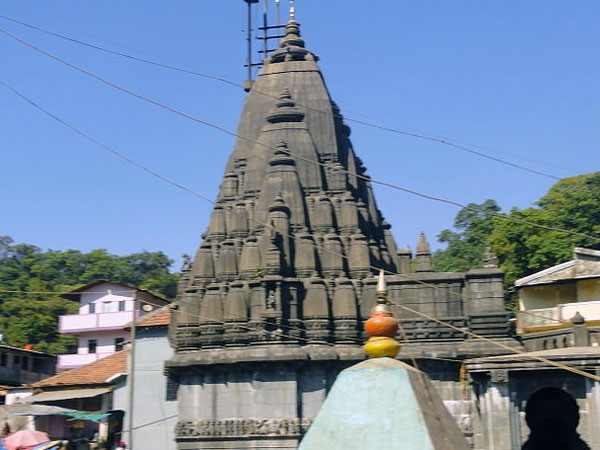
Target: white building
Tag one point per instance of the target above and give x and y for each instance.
(549, 299)
(105, 308)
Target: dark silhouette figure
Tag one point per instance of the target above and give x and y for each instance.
(552, 416)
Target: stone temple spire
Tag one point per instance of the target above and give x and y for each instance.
(285, 281)
(290, 224)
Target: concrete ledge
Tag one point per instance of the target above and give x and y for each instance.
(312, 352)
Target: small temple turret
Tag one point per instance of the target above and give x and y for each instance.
(404, 257)
(423, 254)
(490, 260)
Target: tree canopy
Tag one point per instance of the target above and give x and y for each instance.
(465, 246)
(28, 316)
(571, 204)
(522, 248)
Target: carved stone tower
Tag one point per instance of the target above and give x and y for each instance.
(272, 306)
(293, 234)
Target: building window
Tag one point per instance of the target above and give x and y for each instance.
(3, 359)
(25, 363)
(172, 388)
(121, 305)
(92, 308)
(106, 307)
(92, 344)
(16, 361)
(119, 344)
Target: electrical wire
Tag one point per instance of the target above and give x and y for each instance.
(438, 139)
(13, 291)
(387, 271)
(562, 366)
(524, 353)
(327, 165)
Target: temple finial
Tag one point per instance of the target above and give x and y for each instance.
(381, 326)
(381, 290)
(489, 258)
(292, 11)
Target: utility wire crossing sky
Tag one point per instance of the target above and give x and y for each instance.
(407, 82)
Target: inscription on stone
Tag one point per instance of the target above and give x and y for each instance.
(233, 428)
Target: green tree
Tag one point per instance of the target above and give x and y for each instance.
(465, 247)
(27, 316)
(522, 247)
(571, 204)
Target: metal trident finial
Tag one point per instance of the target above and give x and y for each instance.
(292, 10)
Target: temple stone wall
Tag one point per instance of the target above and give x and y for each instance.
(500, 397)
(251, 405)
(271, 308)
(229, 405)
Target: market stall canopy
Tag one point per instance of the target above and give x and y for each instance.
(35, 410)
(48, 410)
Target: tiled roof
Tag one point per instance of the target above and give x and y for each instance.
(161, 318)
(94, 373)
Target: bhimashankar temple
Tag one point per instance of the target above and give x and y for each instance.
(271, 309)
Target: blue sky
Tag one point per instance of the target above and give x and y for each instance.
(519, 78)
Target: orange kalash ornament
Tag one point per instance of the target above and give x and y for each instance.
(381, 326)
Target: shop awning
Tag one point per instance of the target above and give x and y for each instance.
(47, 410)
(66, 394)
(35, 410)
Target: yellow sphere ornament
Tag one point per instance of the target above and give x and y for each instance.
(380, 346)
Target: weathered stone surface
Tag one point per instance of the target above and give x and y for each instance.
(283, 279)
(383, 403)
(504, 384)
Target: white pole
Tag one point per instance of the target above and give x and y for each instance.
(131, 374)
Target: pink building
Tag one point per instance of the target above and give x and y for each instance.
(105, 308)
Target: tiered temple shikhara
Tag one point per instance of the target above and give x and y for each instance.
(273, 305)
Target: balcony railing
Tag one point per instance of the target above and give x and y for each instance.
(77, 323)
(532, 320)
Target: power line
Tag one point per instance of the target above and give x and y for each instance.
(168, 180)
(102, 145)
(147, 424)
(465, 143)
(88, 35)
(439, 139)
(494, 342)
(176, 184)
(124, 55)
(231, 133)
(562, 366)
(293, 237)
(525, 354)
(15, 291)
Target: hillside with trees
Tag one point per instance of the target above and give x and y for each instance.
(30, 316)
(522, 248)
